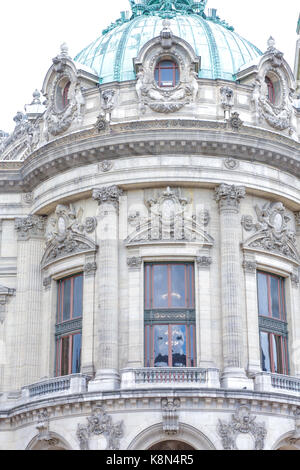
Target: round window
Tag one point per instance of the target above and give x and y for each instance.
(167, 73)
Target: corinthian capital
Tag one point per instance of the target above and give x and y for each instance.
(229, 196)
(32, 226)
(110, 194)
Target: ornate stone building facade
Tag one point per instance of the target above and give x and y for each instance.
(149, 243)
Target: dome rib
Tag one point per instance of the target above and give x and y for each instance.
(222, 51)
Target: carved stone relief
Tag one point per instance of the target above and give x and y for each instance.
(44, 435)
(272, 231)
(173, 98)
(242, 422)
(170, 415)
(170, 218)
(31, 226)
(5, 294)
(108, 194)
(66, 233)
(279, 114)
(57, 120)
(100, 423)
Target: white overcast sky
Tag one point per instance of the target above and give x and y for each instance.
(32, 31)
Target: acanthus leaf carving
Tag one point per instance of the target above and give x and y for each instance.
(100, 423)
(242, 422)
(67, 233)
(169, 219)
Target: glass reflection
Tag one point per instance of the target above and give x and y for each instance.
(161, 346)
(178, 346)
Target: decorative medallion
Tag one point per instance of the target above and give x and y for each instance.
(67, 234)
(242, 423)
(100, 423)
(272, 232)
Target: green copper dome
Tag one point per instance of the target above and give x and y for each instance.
(222, 50)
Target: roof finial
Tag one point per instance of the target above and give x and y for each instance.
(64, 50)
(271, 43)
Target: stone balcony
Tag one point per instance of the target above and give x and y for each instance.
(57, 386)
(277, 383)
(175, 377)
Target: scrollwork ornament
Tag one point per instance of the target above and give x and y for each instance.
(100, 423)
(242, 422)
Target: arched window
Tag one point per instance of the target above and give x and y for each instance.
(272, 323)
(271, 90)
(170, 334)
(69, 325)
(167, 73)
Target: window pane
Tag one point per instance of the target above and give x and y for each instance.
(76, 354)
(66, 299)
(178, 284)
(166, 77)
(160, 286)
(263, 303)
(179, 346)
(161, 346)
(265, 352)
(65, 343)
(275, 296)
(278, 356)
(77, 295)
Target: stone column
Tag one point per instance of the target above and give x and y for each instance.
(28, 313)
(107, 354)
(229, 198)
(203, 313)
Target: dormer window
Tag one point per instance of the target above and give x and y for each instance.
(271, 90)
(167, 74)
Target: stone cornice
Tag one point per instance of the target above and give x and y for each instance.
(140, 138)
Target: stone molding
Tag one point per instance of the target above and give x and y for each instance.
(26, 176)
(229, 196)
(242, 422)
(108, 195)
(47, 282)
(100, 423)
(272, 233)
(32, 226)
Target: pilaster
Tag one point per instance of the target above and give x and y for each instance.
(28, 345)
(203, 313)
(136, 319)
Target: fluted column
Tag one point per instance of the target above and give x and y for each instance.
(228, 198)
(28, 313)
(136, 320)
(107, 354)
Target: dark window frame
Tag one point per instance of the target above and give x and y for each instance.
(169, 316)
(67, 328)
(273, 326)
(159, 69)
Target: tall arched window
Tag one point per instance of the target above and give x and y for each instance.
(167, 73)
(271, 90)
(69, 325)
(170, 334)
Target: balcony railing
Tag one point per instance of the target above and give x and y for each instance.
(76, 383)
(173, 376)
(267, 382)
